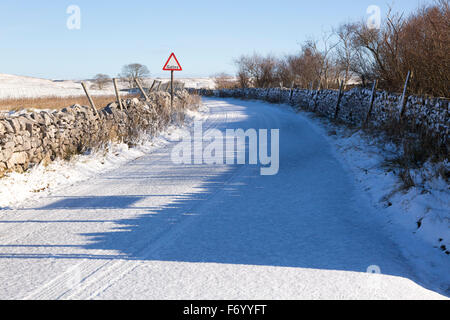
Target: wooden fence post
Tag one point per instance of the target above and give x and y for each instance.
(89, 98)
(159, 86)
(292, 92)
(116, 89)
(142, 90)
(338, 103)
(372, 100)
(404, 98)
(281, 92)
(316, 96)
(153, 85)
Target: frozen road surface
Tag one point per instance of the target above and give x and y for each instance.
(157, 230)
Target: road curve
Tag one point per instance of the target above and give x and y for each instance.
(157, 230)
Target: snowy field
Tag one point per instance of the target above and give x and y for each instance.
(12, 86)
(196, 83)
(130, 224)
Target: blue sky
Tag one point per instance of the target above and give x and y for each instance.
(205, 35)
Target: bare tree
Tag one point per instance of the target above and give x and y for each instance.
(345, 53)
(284, 71)
(246, 70)
(308, 65)
(101, 80)
(419, 43)
(323, 50)
(425, 47)
(224, 81)
(258, 71)
(328, 47)
(243, 79)
(363, 62)
(134, 71)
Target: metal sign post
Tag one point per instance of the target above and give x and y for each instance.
(171, 89)
(172, 65)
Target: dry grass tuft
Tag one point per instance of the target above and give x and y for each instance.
(55, 102)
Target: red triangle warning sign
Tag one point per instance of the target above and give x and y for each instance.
(172, 64)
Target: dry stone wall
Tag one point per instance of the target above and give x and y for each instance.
(32, 138)
(421, 113)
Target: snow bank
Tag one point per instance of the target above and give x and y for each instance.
(422, 210)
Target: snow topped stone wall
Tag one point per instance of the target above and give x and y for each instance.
(40, 137)
(431, 114)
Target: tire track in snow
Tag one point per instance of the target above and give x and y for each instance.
(95, 286)
(96, 273)
(125, 268)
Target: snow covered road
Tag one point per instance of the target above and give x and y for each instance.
(157, 230)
